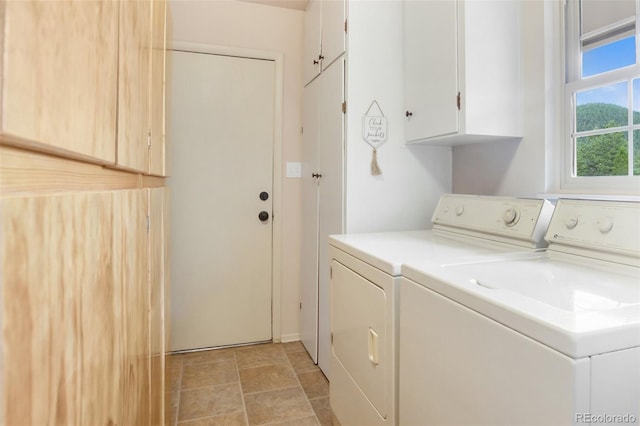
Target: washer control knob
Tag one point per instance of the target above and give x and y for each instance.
(459, 210)
(571, 222)
(510, 216)
(605, 225)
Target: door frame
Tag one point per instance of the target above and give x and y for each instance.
(276, 258)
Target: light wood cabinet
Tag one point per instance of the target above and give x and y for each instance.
(324, 36)
(75, 339)
(157, 101)
(130, 263)
(159, 280)
(59, 85)
(83, 247)
(133, 85)
(85, 79)
(462, 71)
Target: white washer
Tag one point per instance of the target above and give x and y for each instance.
(365, 272)
(552, 339)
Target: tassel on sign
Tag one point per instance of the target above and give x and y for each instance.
(375, 169)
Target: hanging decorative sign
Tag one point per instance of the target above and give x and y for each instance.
(374, 132)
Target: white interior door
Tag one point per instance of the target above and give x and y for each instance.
(222, 126)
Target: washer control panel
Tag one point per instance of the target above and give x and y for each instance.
(514, 218)
(608, 226)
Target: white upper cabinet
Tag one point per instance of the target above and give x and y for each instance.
(324, 36)
(333, 31)
(312, 40)
(462, 71)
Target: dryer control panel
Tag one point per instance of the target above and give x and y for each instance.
(511, 218)
(603, 226)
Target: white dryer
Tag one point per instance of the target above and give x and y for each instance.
(365, 273)
(552, 338)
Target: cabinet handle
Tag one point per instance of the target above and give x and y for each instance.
(316, 175)
(320, 57)
(315, 62)
(408, 114)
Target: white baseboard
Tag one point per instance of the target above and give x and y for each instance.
(286, 338)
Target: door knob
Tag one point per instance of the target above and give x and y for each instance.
(263, 216)
(264, 196)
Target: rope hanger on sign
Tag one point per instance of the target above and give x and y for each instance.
(374, 132)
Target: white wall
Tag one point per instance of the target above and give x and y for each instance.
(517, 168)
(413, 178)
(251, 26)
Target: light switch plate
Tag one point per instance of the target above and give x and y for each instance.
(294, 169)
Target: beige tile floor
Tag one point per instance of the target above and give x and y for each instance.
(266, 384)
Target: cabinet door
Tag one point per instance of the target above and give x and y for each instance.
(158, 43)
(157, 279)
(431, 68)
(60, 75)
(309, 289)
(62, 310)
(312, 40)
(130, 251)
(133, 85)
(330, 211)
(322, 203)
(333, 32)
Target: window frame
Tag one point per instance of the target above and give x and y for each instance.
(573, 83)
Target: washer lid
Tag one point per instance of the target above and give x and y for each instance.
(579, 308)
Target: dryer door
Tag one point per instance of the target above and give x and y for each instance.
(359, 332)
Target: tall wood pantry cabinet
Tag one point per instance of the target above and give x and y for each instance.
(83, 212)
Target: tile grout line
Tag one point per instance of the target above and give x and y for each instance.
(175, 423)
(244, 405)
(303, 391)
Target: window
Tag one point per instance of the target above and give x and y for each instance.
(603, 92)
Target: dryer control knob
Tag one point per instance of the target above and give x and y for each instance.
(571, 222)
(605, 225)
(510, 216)
(459, 210)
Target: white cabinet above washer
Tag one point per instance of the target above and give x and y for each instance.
(462, 71)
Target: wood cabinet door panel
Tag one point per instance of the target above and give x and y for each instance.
(157, 150)
(59, 85)
(157, 273)
(75, 309)
(133, 85)
(130, 263)
(62, 357)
